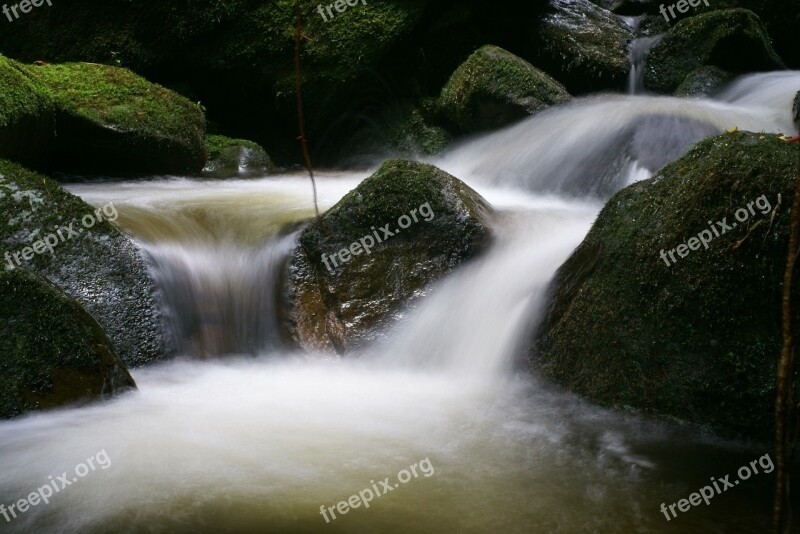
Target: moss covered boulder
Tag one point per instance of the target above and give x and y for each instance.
(231, 158)
(27, 115)
(583, 46)
(413, 135)
(696, 338)
(734, 40)
(52, 352)
(377, 250)
(97, 265)
(703, 81)
(493, 88)
(111, 121)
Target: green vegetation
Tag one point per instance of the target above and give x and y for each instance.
(703, 81)
(232, 157)
(697, 340)
(21, 95)
(494, 87)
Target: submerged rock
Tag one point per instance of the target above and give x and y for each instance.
(584, 46)
(231, 158)
(111, 121)
(734, 40)
(99, 266)
(703, 81)
(357, 267)
(27, 115)
(52, 352)
(696, 340)
(493, 88)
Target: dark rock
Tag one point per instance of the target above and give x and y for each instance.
(52, 352)
(703, 81)
(583, 46)
(734, 40)
(101, 267)
(697, 340)
(347, 305)
(233, 158)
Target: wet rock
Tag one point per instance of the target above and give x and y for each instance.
(796, 111)
(703, 81)
(734, 40)
(27, 116)
(583, 46)
(52, 352)
(494, 88)
(232, 158)
(341, 297)
(696, 340)
(111, 121)
(100, 267)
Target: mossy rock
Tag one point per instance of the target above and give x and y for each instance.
(583, 46)
(100, 267)
(27, 115)
(52, 352)
(232, 158)
(111, 121)
(414, 136)
(703, 81)
(493, 88)
(697, 340)
(734, 40)
(343, 303)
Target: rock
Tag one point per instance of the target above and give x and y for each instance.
(703, 81)
(101, 267)
(111, 121)
(494, 88)
(413, 136)
(796, 111)
(697, 340)
(52, 352)
(231, 158)
(346, 306)
(734, 40)
(583, 46)
(27, 115)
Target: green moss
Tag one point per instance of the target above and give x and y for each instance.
(494, 87)
(734, 40)
(415, 136)
(697, 340)
(51, 351)
(233, 157)
(21, 94)
(117, 98)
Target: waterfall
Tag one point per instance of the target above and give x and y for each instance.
(637, 54)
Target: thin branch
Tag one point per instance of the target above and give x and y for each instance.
(298, 85)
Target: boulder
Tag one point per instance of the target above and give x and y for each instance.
(796, 111)
(100, 266)
(583, 46)
(27, 115)
(233, 158)
(356, 268)
(111, 121)
(494, 88)
(697, 338)
(703, 81)
(52, 352)
(734, 40)
(415, 136)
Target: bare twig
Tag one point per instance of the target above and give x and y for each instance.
(298, 85)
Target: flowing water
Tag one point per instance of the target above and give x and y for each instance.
(258, 438)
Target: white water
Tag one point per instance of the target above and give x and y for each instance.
(257, 444)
